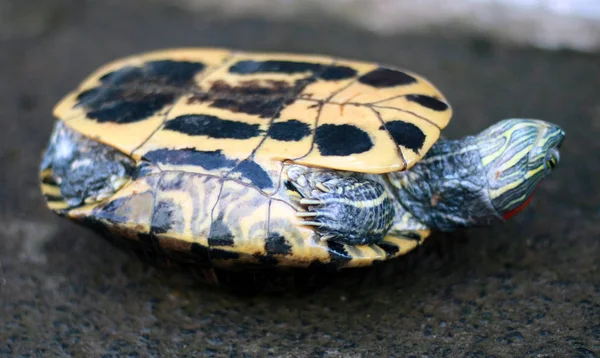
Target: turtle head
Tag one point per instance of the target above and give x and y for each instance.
(516, 154)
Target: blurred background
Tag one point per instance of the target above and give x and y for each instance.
(527, 288)
(573, 24)
(545, 23)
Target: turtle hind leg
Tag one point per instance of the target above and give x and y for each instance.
(80, 170)
(341, 207)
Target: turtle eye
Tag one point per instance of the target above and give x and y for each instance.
(551, 160)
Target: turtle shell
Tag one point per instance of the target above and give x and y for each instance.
(215, 128)
(314, 110)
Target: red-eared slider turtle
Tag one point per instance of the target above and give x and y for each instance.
(234, 159)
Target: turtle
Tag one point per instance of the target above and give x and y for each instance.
(234, 159)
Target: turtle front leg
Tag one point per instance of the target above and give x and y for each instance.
(342, 207)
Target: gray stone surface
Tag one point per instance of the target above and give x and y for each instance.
(529, 287)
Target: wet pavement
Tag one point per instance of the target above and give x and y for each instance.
(529, 287)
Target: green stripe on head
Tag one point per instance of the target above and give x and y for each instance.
(516, 155)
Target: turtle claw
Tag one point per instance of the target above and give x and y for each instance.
(305, 214)
(308, 201)
(327, 237)
(118, 182)
(343, 208)
(311, 223)
(322, 187)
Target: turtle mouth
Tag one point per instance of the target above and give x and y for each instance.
(81, 170)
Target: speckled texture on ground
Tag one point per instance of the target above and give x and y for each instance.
(527, 288)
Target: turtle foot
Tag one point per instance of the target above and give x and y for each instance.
(342, 207)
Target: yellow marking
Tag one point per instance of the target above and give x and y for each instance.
(304, 244)
(182, 215)
(507, 134)
(514, 184)
(50, 190)
(124, 137)
(364, 255)
(346, 102)
(520, 199)
(46, 173)
(240, 210)
(57, 205)
(514, 159)
(195, 195)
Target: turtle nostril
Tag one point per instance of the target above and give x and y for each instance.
(562, 138)
(558, 135)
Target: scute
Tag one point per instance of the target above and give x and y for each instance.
(125, 101)
(228, 113)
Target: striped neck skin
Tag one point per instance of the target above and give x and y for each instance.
(516, 155)
(479, 179)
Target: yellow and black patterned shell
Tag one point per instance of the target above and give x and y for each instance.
(217, 126)
(269, 106)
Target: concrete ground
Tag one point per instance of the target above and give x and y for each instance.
(528, 288)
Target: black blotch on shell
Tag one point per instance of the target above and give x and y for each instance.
(49, 180)
(325, 72)
(175, 183)
(132, 94)
(255, 173)
(261, 98)
(263, 107)
(211, 160)
(290, 131)
(337, 252)
(406, 134)
(208, 160)
(160, 72)
(166, 217)
(342, 140)
(289, 186)
(428, 102)
(410, 235)
(276, 244)
(220, 235)
(385, 77)
(212, 126)
(173, 73)
(390, 249)
(121, 106)
(108, 211)
(336, 73)
(142, 170)
(248, 67)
